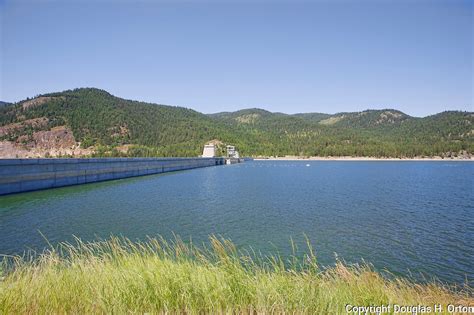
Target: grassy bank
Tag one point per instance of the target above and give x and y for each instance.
(155, 276)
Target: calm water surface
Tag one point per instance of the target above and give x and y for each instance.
(406, 217)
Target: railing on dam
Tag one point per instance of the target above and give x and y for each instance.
(19, 175)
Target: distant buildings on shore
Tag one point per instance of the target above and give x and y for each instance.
(232, 152)
(210, 150)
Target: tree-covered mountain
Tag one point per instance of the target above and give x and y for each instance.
(92, 121)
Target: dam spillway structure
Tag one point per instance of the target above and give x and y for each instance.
(21, 175)
(232, 156)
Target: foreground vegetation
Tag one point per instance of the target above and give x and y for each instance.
(119, 276)
(105, 122)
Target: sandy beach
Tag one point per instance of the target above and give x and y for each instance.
(361, 158)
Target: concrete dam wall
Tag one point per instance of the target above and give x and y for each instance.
(19, 175)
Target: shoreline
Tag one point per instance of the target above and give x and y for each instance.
(361, 158)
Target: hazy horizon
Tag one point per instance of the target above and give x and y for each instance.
(302, 57)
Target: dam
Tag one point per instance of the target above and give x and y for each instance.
(21, 175)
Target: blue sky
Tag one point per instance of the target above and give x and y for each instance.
(318, 56)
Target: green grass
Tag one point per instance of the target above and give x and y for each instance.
(120, 276)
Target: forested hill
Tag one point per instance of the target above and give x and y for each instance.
(93, 122)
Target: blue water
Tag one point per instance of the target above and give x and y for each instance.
(410, 218)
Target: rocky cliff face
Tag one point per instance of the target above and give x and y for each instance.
(58, 141)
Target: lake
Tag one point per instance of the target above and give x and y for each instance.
(406, 217)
